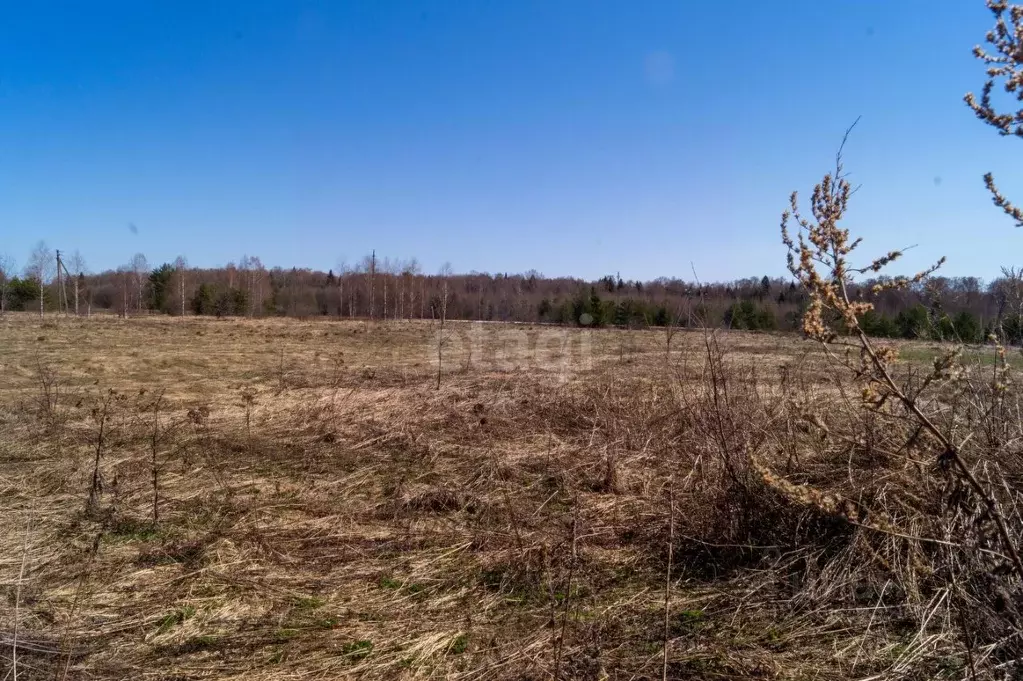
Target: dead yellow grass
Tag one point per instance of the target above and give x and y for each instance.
(349, 520)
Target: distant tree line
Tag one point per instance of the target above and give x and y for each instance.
(941, 308)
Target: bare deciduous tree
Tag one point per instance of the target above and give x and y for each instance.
(409, 274)
(242, 271)
(1004, 60)
(370, 265)
(124, 271)
(251, 268)
(76, 267)
(140, 273)
(40, 268)
(1008, 292)
(342, 273)
(6, 274)
(181, 266)
(385, 267)
(445, 273)
(256, 272)
(353, 273)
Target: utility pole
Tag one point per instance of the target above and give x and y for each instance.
(63, 305)
(59, 287)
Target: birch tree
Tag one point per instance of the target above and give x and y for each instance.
(354, 274)
(256, 272)
(76, 268)
(250, 268)
(342, 273)
(385, 269)
(181, 267)
(410, 273)
(370, 265)
(124, 272)
(140, 273)
(6, 274)
(445, 273)
(40, 268)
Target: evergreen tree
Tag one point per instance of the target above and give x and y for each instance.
(21, 293)
(160, 287)
(204, 301)
(1012, 329)
(594, 308)
(913, 322)
(544, 309)
(660, 316)
(765, 319)
(879, 325)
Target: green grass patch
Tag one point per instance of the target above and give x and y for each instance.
(459, 644)
(691, 620)
(357, 650)
(175, 618)
(328, 622)
(308, 603)
(972, 356)
(390, 583)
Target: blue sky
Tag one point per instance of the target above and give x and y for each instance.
(576, 138)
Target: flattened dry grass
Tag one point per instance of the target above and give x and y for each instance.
(349, 520)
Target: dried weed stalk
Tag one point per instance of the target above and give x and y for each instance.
(101, 416)
(154, 443)
(1004, 61)
(819, 258)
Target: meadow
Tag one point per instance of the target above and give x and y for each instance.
(190, 498)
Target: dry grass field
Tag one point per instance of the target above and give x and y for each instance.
(279, 499)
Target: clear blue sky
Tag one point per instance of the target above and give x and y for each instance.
(573, 137)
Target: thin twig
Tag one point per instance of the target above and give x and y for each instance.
(74, 604)
(568, 593)
(17, 601)
(667, 575)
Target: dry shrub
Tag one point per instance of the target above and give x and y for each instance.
(930, 474)
(739, 507)
(417, 543)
